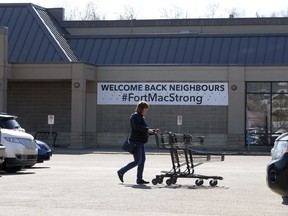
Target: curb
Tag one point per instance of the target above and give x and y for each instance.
(59, 150)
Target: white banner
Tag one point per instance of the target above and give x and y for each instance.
(215, 94)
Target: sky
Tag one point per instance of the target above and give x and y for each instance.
(155, 9)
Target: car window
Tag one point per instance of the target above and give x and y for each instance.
(280, 147)
(9, 123)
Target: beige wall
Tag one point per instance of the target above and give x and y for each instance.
(266, 73)
(86, 116)
(3, 68)
(161, 73)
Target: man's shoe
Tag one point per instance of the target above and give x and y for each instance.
(142, 182)
(120, 176)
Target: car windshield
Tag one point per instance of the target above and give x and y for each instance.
(9, 123)
(280, 147)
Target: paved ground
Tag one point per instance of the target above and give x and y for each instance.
(87, 184)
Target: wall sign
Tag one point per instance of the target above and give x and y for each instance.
(50, 119)
(215, 94)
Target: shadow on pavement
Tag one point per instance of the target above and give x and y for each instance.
(135, 186)
(175, 186)
(18, 173)
(38, 168)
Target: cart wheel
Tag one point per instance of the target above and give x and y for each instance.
(199, 182)
(168, 182)
(174, 180)
(160, 180)
(154, 181)
(213, 182)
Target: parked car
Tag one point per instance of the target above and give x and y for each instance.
(10, 122)
(276, 134)
(256, 136)
(20, 150)
(2, 154)
(44, 151)
(277, 169)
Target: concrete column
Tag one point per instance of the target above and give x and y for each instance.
(78, 107)
(91, 102)
(3, 68)
(236, 108)
(91, 106)
(236, 112)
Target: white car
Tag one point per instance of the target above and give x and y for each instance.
(20, 150)
(10, 122)
(2, 154)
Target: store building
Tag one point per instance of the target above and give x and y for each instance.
(225, 79)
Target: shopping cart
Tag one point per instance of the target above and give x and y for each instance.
(184, 158)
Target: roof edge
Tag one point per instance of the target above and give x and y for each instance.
(20, 5)
(176, 22)
(175, 35)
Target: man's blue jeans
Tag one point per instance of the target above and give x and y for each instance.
(139, 160)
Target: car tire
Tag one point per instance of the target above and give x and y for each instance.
(285, 200)
(11, 169)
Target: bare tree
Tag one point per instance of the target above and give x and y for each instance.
(90, 12)
(173, 13)
(274, 14)
(234, 13)
(128, 14)
(211, 9)
(284, 13)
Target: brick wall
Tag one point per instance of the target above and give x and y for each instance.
(196, 119)
(32, 102)
(210, 121)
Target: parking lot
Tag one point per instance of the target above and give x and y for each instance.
(87, 184)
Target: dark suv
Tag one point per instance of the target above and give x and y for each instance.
(277, 169)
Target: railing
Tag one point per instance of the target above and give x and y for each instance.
(46, 136)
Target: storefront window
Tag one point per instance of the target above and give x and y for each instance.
(266, 111)
(258, 87)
